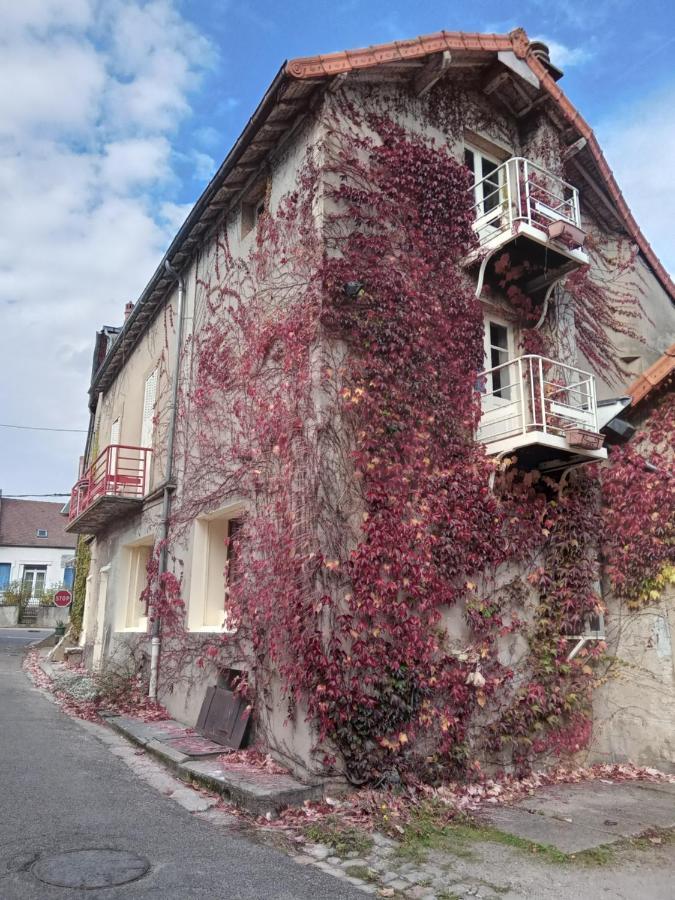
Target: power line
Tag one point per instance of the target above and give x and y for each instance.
(19, 496)
(36, 428)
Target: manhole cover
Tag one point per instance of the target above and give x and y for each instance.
(90, 868)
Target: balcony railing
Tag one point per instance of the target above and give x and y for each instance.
(119, 471)
(520, 194)
(533, 399)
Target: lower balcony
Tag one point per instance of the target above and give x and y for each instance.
(114, 484)
(542, 411)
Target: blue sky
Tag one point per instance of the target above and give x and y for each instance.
(119, 111)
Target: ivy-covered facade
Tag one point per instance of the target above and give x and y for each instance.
(344, 503)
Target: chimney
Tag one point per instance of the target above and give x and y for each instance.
(128, 309)
(540, 51)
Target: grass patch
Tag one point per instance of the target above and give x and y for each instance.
(362, 872)
(431, 828)
(341, 838)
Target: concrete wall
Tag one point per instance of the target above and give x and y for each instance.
(9, 616)
(49, 616)
(635, 708)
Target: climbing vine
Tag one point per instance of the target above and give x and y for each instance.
(639, 509)
(333, 399)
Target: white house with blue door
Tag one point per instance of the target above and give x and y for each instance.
(34, 548)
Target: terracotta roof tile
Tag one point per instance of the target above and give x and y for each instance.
(350, 60)
(652, 377)
(20, 520)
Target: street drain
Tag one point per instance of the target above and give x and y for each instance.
(88, 869)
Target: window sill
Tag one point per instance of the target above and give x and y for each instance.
(140, 628)
(210, 629)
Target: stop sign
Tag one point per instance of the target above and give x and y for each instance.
(62, 598)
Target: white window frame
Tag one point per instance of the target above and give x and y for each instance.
(148, 411)
(479, 189)
(205, 595)
(132, 581)
(488, 320)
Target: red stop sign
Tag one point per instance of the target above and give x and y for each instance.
(62, 598)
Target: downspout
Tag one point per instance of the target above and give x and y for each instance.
(156, 640)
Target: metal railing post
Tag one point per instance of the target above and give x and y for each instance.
(542, 394)
(521, 392)
(528, 205)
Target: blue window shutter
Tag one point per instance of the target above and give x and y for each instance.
(69, 576)
(5, 569)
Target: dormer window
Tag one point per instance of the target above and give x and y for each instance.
(42, 533)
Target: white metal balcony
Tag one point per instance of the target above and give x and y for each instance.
(521, 199)
(532, 402)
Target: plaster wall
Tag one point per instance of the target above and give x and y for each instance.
(443, 116)
(635, 708)
(52, 557)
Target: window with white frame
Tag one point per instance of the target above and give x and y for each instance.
(499, 351)
(488, 179)
(134, 579)
(215, 565)
(149, 397)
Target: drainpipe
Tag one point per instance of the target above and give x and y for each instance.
(156, 639)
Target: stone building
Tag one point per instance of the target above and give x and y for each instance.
(543, 198)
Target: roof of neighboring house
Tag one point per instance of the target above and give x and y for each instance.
(21, 519)
(513, 71)
(653, 377)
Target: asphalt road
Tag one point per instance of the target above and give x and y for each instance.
(62, 790)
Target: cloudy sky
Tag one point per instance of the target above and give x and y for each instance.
(115, 113)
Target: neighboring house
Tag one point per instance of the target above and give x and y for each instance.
(225, 429)
(34, 546)
(640, 697)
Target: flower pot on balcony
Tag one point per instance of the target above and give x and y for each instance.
(585, 440)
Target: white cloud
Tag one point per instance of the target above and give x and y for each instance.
(47, 91)
(563, 56)
(639, 144)
(204, 165)
(133, 162)
(174, 214)
(88, 109)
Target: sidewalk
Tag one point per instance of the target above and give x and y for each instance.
(194, 758)
(566, 840)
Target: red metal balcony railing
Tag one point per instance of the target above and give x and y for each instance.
(119, 471)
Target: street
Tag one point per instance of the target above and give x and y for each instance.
(64, 792)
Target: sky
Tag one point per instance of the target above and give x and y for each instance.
(114, 114)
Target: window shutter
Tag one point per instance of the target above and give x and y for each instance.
(148, 409)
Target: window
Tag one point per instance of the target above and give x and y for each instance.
(498, 352)
(216, 563)
(34, 578)
(149, 397)
(137, 559)
(41, 533)
(5, 571)
(489, 181)
(253, 207)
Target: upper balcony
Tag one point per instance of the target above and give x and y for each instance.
(114, 484)
(521, 204)
(543, 411)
